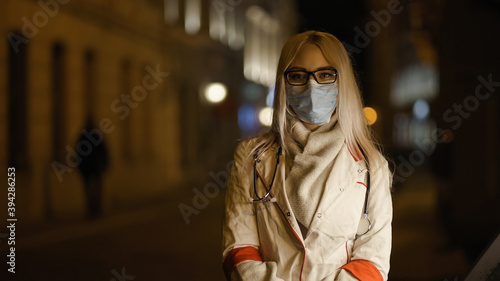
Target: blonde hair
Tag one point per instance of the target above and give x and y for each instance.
(350, 106)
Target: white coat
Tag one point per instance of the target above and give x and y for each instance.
(263, 241)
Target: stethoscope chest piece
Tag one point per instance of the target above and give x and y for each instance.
(364, 225)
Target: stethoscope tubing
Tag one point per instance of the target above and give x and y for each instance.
(268, 190)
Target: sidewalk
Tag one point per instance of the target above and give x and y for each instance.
(151, 243)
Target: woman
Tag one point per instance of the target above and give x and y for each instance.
(295, 202)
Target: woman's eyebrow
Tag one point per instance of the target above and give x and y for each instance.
(298, 68)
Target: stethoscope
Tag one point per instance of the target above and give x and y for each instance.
(364, 223)
(268, 190)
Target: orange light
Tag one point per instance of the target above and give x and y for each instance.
(370, 115)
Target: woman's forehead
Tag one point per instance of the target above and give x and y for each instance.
(309, 57)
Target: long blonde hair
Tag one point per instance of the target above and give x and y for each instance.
(350, 106)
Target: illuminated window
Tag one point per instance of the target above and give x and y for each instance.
(262, 45)
(171, 11)
(192, 22)
(417, 81)
(226, 24)
(217, 22)
(236, 40)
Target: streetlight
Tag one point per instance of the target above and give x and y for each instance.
(370, 115)
(215, 92)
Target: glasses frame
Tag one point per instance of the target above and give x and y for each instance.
(313, 73)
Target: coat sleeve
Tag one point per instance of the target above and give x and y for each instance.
(371, 251)
(240, 239)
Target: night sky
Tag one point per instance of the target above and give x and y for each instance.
(338, 17)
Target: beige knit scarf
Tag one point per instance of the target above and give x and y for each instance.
(310, 159)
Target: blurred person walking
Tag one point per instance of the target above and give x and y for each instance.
(94, 163)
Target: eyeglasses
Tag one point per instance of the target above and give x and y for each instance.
(322, 76)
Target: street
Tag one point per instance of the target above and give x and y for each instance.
(155, 243)
(148, 244)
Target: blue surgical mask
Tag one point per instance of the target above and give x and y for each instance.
(313, 102)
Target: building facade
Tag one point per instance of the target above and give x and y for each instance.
(137, 70)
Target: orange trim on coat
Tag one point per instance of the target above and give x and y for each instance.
(297, 236)
(361, 183)
(347, 252)
(363, 270)
(357, 155)
(238, 255)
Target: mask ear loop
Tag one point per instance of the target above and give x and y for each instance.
(364, 223)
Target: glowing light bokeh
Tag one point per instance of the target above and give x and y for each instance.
(266, 116)
(421, 109)
(215, 92)
(370, 115)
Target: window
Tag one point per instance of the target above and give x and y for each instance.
(59, 98)
(171, 11)
(192, 20)
(17, 103)
(89, 82)
(262, 46)
(126, 128)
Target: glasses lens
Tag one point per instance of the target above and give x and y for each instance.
(297, 77)
(326, 76)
